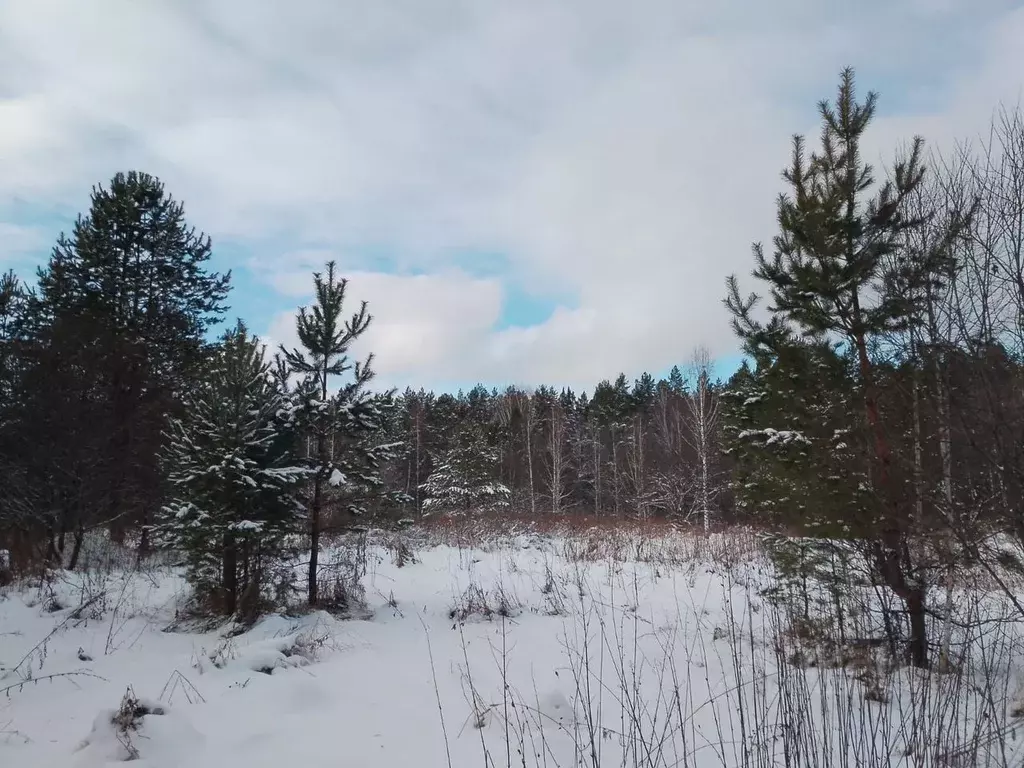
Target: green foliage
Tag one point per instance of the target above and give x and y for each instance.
(99, 357)
(325, 336)
(464, 478)
(234, 479)
(838, 229)
(797, 422)
(344, 426)
(791, 429)
(838, 278)
(134, 269)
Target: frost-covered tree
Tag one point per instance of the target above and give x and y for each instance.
(360, 447)
(464, 479)
(233, 474)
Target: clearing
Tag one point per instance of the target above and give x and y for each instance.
(600, 648)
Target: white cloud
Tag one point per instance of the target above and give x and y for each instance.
(627, 155)
(418, 320)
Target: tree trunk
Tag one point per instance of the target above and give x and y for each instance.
(76, 550)
(312, 586)
(946, 455)
(417, 426)
(918, 644)
(918, 450)
(555, 443)
(528, 429)
(54, 556)
(229, 576)
(890, 551)
(615, 470)
(315, 512)
(705, 491)
(145, 549)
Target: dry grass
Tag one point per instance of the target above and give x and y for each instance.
(591, 538)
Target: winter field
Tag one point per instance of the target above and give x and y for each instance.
(615, 646)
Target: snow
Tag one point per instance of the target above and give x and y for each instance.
(775, 436)
(531, 641)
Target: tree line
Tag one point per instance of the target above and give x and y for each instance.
(642, 448)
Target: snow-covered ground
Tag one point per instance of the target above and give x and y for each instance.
(535, 651)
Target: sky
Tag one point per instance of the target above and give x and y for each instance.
(525, 192)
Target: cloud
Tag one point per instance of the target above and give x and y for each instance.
(626, 157)
(418, 320)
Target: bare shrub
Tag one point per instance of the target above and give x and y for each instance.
(476, 602)
(127, 721)
(341, 582)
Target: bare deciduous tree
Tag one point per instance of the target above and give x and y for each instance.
(702, 432)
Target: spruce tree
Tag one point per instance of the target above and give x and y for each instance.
(464, 476)
(234, 476)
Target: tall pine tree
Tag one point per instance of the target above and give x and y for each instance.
(119, 322)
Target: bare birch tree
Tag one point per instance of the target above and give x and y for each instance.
(702, 433)
(558, 456)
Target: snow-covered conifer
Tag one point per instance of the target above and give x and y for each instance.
(233, 475)
(463, 480)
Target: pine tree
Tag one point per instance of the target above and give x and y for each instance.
(791, 412)
(840, 232)
(234, 476)
(340, 425)
(120, 317)
(13, 321)
(361, 448)
(676, 382)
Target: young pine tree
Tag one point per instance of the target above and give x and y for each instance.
(341, 427)
(233, 475)
(840, 235)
